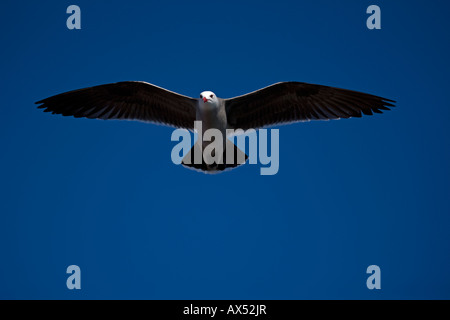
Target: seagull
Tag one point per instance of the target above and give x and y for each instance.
(278, 104)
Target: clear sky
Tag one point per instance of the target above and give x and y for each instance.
(104, 195)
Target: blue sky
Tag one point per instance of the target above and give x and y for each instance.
(105, 195)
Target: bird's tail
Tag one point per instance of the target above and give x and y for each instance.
(232, 157)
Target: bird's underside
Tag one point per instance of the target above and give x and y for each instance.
(278, 104)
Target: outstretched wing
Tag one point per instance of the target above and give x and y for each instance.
(129, 100)
(288, 102)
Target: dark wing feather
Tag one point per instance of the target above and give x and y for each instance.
(129, 100)
(288, 102)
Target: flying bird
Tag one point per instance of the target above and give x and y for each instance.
(278, 104)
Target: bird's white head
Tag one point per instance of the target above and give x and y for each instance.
(208, 97)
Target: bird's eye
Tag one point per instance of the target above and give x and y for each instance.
(212, 96)
(201, 96)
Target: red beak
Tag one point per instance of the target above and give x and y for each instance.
(205, 99)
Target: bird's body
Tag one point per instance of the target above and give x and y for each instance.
(281, 103)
